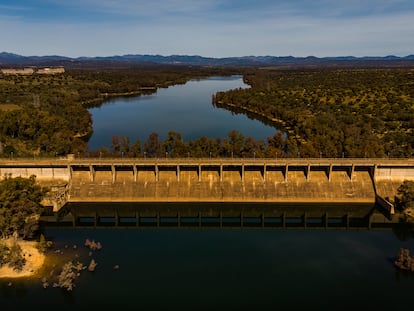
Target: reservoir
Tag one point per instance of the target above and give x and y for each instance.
(186, 109)
(223, 269)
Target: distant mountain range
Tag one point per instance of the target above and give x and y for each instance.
(10, 59)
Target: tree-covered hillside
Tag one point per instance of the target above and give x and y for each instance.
(329, 112)
(46, 115)
(333, 112)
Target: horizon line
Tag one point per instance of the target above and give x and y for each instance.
(211, 57)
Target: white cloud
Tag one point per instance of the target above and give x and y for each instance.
(227, 34)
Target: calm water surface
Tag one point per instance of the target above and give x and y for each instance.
(228, 269)
(186, 109)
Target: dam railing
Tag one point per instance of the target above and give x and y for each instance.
(59, 159)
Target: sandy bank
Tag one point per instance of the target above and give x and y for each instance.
(34, 260)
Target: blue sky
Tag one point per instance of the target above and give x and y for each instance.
(214, 28)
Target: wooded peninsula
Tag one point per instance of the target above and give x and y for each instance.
(329, 112)
(333, 112)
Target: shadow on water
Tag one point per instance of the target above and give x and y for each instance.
(309, 216)
(220, 215)
(403, 230)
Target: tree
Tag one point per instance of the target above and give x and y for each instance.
(20, 206)
(235, 143)
(15, 257)
(174, 145)
(275, 145)
(406, 194)
(135, 150)
(125, 145)
(153, 146)
(115, 144)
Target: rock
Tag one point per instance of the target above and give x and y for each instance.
(92, 265)
(87, 242)
(93, 245)
(404, 261)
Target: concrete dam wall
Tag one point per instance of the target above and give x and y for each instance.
(389, 178)
(215, 180)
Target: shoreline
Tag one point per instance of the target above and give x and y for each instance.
(34, 260)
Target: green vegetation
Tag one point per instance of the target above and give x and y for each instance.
(46, 115)
(405, 204)
(12, 256)
(323, 112)
(20, 210)
(234, 145)
(20, 207)
(43, 244)
(332, 112)
(406, 195)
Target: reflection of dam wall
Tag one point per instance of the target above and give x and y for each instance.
(219, 214)
(218, 180)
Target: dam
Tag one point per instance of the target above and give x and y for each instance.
(248, 180)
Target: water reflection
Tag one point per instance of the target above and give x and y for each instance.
(224, 215)
(186, 109)
(403, 230)
(163, 267)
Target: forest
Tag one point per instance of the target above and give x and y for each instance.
(352, 112)
(235, 144)
(321, 112)
(47, 115)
